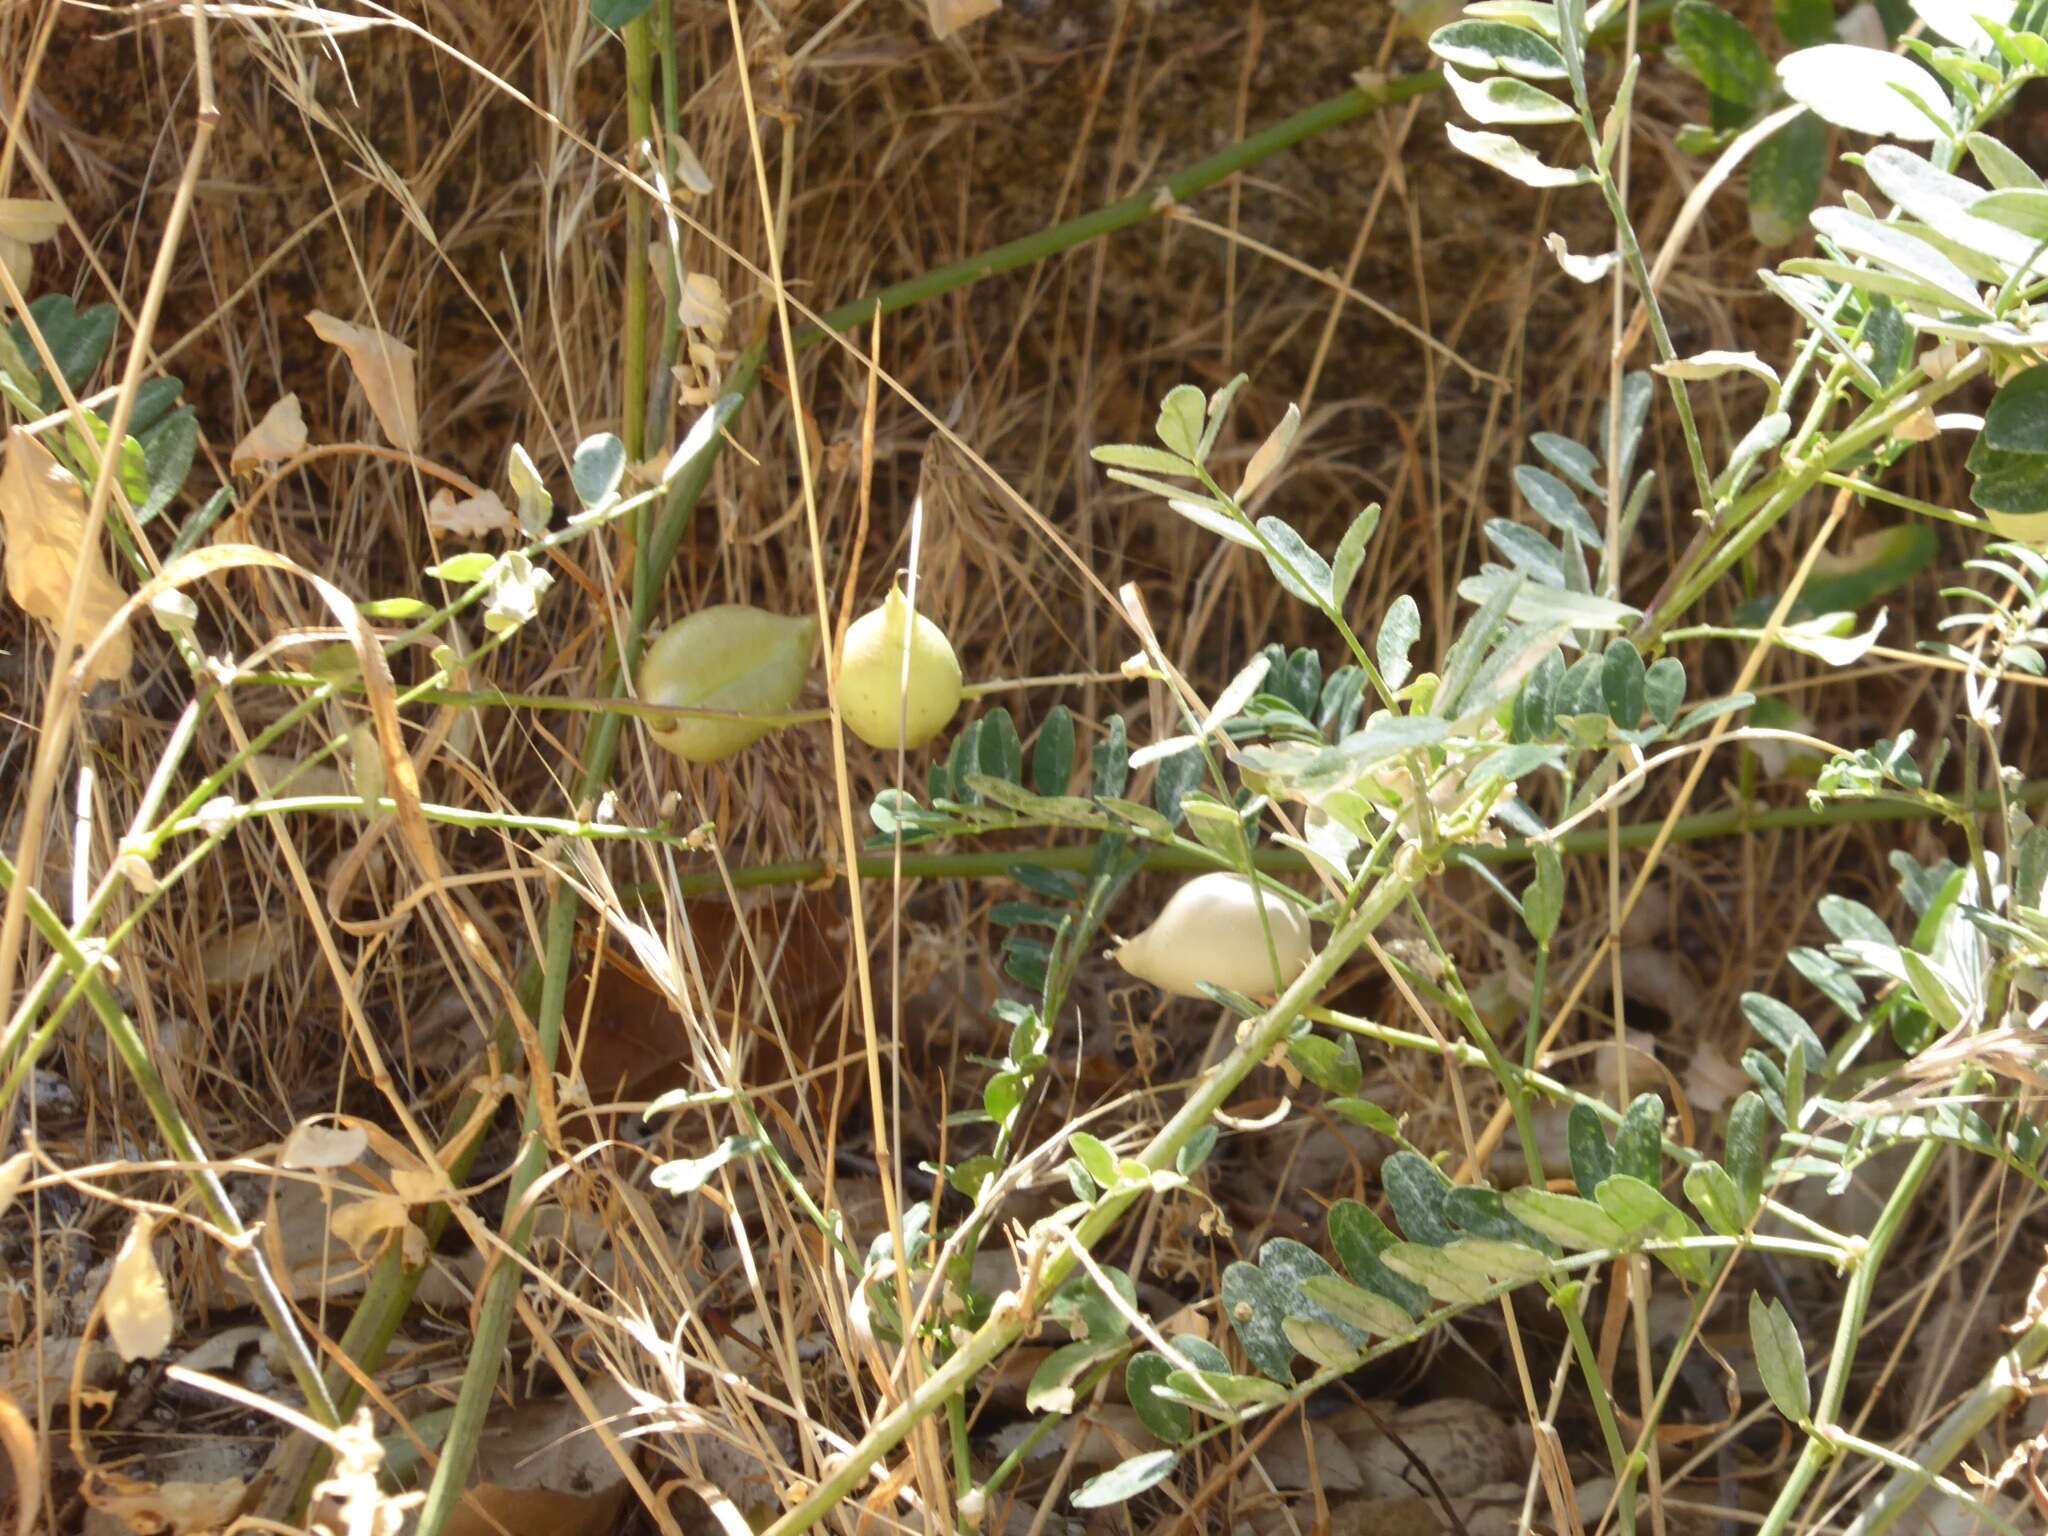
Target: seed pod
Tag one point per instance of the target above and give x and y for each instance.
(728, 657)
(1209, 930)
(874, 699)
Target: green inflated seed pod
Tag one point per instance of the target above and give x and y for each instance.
(728, 657)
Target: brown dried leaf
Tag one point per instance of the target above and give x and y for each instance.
(137, 1303)
(44, 509)
(541, 1471)
(278, 436)
(383, 365)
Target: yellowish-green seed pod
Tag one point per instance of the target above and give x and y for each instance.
(875, 700)
(1209, 930)
(728, 657)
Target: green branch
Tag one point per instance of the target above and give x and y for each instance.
(994, 865)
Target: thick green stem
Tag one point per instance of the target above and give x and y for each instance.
(639, 122)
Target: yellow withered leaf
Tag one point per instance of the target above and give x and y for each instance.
(43, 508)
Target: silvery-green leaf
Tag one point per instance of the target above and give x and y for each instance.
(1504, 99)
(1399, 631)
(1866, 90)
(1440, 1272)
(1351, 554)
(1554, 502)
(1512, 158)
(1298, 568)
(1155, 461)
(1947, 203)
(1534, 604)
(1645, 1215)
(1956, 21)
(597, 468)
(1353, 1304)
(1491, 45)
(2021, 209)
(1206, 514)
(2000, 166)
(1567, 1220)
(1126, 1480)
(1712, 365)
(1580, 269)
(1893, 248)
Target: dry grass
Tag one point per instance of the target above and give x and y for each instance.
(452, 172)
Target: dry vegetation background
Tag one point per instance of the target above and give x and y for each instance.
(449, 171)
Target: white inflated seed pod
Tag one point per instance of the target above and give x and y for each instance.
(1209, 930)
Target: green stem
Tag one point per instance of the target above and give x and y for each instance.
(1759, 510)
(639, 126)
(1135, 209)
(1596, 1387)
(494, 1314)
(1842, 1440)
(662, 384)
(1848, 1333)
(1699, 827)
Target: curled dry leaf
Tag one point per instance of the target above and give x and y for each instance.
(362, 1224)
(44, 510)
(279, 435)
(470, 518)
(25, 222)
(313, 1145)
(137, 1303)
(703, 307)
(383, 365)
